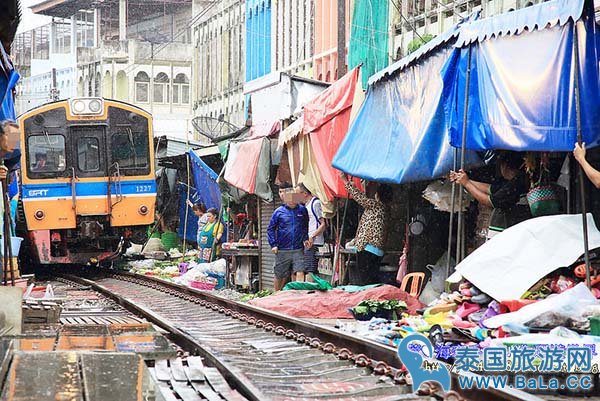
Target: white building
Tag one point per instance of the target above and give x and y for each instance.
(218, 60)
(120, 50)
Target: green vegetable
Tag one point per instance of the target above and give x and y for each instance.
(374, 306)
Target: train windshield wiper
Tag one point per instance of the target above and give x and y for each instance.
(132, 143)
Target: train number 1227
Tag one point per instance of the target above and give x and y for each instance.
(143, 188)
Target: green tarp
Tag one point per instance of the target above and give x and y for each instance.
(369, 37)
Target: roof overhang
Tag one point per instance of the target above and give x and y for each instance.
(63, 8)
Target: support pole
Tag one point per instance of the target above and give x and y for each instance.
(336, 255)
(460, 231)
(187, 208)
(341, 38)
(579, 141)
(450, 226)
(8, 264)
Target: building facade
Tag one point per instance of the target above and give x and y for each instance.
(120, 50)
(293, 24)
(219, 60)
(326, 38)
(415, 19)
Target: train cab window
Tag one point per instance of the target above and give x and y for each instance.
(46, 154)
(88, 154)
(130, 150)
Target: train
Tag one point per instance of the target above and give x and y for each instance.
(88, 185)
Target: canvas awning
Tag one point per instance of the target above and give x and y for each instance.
(8, 80)
(291, 132)
(326, 121)
(522, 84)
(399, 135)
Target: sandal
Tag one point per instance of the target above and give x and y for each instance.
(436, 336)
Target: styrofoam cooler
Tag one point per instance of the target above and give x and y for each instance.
(16, 246)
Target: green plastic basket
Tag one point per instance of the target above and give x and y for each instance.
(595, 325)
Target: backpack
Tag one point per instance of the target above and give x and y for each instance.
(327, 234)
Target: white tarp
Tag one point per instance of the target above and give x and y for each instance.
(513, 261)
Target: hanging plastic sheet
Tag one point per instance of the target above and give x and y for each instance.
(399, 135)
(242, 164)
(522, 87)
(248, 167)
(205, 190)
(326, 121)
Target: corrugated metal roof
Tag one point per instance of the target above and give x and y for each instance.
(176, 147)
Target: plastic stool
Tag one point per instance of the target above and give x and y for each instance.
(416, 284)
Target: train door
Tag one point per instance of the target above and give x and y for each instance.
(89, 170)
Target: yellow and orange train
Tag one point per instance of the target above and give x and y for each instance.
(87, 179)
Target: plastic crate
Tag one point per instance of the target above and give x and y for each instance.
(200, 285)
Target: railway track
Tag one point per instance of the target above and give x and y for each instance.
(269, 356)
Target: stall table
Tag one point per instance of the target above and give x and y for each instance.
(244, 263)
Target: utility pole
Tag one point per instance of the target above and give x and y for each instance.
(341, 39)
(54, 93)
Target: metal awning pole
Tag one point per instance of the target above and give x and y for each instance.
(460, 248)
(338, 247)
(450, 226)
(579, 141)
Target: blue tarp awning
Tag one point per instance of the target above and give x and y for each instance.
(8, 80)
(400, 133)
(205, 190)
(522, 85)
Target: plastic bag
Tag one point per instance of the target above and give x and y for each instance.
(571, 303)
(439, 194)
(435, 286)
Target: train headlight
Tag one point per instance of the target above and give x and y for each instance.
(39, 214)
(143, 210)
(86, 106)
(95, 106)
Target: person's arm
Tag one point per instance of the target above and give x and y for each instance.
(360, 197)
(479, 190)
(271, 231)
(220, 230)
(321, 229)
(592, 174)
(318, 210)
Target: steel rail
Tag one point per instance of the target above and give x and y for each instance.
(381, 359)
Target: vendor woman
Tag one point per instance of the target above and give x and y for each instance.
(504, 195)
(210, 237)
(370, 234)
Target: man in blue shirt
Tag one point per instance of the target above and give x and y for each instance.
(288, 236)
